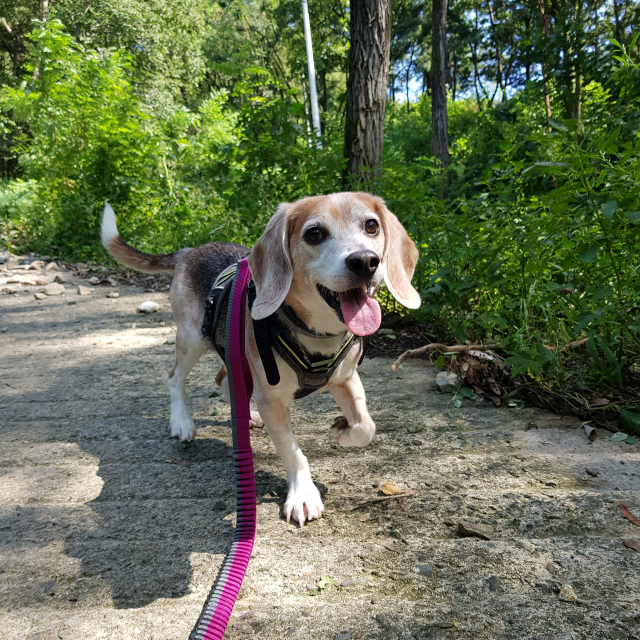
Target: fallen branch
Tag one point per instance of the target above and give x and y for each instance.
(571, 345)
(383, 499)
(466, 348)
(438, 346)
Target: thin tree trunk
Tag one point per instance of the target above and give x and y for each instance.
(616, 17)
(440, 129)
(454, 80)
(324, 101)
(546, 26)
(367, 90)
(498, 50)
(409, 78)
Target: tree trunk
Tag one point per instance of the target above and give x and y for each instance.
(546, 26)
(498, 52)
(454, 79)
(440, 133)
(324, 101)
(616, 18)
(367, 88)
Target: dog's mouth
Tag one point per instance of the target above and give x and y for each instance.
(356, 307)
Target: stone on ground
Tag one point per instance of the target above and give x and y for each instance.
(148, 306)
(447, 382)
(54, 289)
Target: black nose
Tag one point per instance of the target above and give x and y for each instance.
(363, 263)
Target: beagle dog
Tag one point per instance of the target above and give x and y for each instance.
(323, 259)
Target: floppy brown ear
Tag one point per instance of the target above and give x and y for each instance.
(400, 258)
(270, 264)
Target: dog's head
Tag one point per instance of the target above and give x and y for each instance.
(327, 256)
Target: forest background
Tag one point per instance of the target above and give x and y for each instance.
(192, 119)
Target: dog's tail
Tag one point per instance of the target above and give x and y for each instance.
(129, 256)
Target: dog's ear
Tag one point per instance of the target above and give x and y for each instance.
(270, 264)
(400, 258)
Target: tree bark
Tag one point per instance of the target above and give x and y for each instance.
(616, 18)
(367, 88)
(440, 131)
(498, 52)
(546, 28)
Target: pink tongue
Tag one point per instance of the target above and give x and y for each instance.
(361, 313)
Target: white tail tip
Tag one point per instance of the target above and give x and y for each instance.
(109, 228)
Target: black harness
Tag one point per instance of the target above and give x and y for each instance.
(276, 333)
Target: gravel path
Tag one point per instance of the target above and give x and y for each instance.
(110, 529)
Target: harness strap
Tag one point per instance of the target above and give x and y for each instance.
(222, 597)
(272, 334)
(262, 334)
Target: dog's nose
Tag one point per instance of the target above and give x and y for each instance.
(363, 263)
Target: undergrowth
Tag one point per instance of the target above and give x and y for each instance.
(535, 247)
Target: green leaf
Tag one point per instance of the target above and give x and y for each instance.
(557, 125)
(324, 581)
(466, 392)
(630, 421)
(619, 437)
(584, 322)
(457, 402)
(608, 209)
(634, 216)
(440, 362)
(631, 440)
(589, 252)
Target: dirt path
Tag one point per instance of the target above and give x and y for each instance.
(110, 529)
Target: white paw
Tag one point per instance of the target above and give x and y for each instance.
(183, 429)
(303, 501)
(352, 436)
(256, 420)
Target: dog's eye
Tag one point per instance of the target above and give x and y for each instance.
(315, 235)
(371, 227)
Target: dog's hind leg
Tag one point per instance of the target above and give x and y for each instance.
(222, 380)
(189, 349)
(356, 428)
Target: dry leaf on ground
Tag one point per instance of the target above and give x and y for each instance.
(629, 516)
(390, 489)
(632, 544)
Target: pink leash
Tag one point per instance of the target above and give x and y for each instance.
(222, 597)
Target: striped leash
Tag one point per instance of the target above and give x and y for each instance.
(222, 597)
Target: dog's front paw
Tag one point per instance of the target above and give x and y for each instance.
(183, 429)
(351, 436)
(303, 501)
(256, 420)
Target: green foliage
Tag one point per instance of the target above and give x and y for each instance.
(539, 240)
(190, 120)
